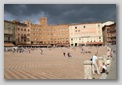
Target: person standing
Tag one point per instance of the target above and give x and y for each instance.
(95, 63)
(64, 53)
(82, 51)
(41, 51)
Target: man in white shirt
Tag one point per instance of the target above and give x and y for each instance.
(94, 64)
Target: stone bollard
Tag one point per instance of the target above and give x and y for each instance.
(108, 61)
(87, 69)
(105, 59)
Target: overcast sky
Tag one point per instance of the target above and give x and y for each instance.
(61, 13)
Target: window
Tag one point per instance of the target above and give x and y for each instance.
(75, 30)
(75, 27)
(71, 39)
(21, 29)
(8, 38)
(99, 37)
(28, 39)
(18, 39)
(9, 26)
(24, 29)
(24, 35)
(18, 29)
(28, 34)
(28, 24)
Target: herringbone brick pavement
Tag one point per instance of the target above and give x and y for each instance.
(49, 65)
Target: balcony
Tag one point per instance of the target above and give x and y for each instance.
(6, 31)
(113, 39)
(9, 40)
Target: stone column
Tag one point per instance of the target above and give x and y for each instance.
(87, 69)
(105, 59)
(100, 61)
(108, 60)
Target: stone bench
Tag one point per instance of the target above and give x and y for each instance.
(87, 69)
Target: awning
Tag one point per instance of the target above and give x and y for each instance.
(9, 44)
(32, 45)
(81, 43)
(94, 43)
(62, 44)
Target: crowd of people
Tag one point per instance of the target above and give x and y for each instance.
(18, 49)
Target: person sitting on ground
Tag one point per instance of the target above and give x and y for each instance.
(69, 55)
(104, 68)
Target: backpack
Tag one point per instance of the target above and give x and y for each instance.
(91, 58)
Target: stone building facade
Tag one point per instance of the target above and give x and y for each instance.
(44, 34)
(86, 34)
(109, 34)
(9, 32)
(53, 35)
(20, 33)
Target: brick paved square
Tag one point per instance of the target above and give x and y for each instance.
(52, 64)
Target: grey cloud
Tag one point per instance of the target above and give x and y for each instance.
(61, 13)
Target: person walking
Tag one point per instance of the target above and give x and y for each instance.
(41, 51)
(95, 63)
(82, 51)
